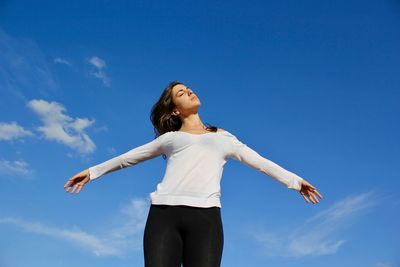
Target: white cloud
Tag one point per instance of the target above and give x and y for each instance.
(17, 167)
(62, 61)
(115, 241)
(316, 236)
(60, 127)
(98, 71)
(133, 217)
(98, 62)
(9, 131)
(95, 244)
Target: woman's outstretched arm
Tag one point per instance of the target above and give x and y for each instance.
(246, 155)
(132, 157)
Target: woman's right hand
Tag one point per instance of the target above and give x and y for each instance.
(309, 192)
(77, 181)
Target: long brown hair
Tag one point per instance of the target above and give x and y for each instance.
(162, 119)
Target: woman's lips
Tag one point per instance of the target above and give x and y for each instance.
(193, 97)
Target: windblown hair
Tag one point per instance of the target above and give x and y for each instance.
(162, 119)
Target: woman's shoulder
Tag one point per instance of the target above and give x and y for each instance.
(225, 132)
(222, 130)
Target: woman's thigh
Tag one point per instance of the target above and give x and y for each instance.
(162, 242)
(203, 237)
(181, 234)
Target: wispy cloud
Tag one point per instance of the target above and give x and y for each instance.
(59, 60)
(17, 167)
(130, 224)
(62, 128)
(98, 62)
(24, 71)
(384, 264)
(10, 131)
(317, 235)
(116, 240)
(99, 66)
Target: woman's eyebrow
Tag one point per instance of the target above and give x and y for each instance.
(181, 90)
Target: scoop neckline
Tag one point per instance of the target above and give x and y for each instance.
(200, 134)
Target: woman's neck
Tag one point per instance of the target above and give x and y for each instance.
(192, 123)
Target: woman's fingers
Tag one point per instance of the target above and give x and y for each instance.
(77, 182)
(304, 196)
(319, 195)
(67, 183)
(313, 198)
(309, 192)
(315, 193)
(73, 189)
(79, 189)
(76, 187)
(70, 185)
(308, 196)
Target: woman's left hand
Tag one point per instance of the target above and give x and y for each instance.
(309, 192)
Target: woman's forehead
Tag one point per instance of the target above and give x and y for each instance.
(178, 87)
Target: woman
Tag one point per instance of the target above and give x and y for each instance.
(184, 221)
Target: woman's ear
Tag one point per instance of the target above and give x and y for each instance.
(175, 112)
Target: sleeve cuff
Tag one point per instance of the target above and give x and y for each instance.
(92, 174)
(296, 184)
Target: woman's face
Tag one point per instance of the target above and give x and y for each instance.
(186, 102)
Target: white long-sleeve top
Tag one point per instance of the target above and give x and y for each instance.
(195, 164)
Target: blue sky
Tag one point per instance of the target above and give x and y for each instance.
(311, 85)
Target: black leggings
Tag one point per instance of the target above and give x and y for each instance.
(183, 234)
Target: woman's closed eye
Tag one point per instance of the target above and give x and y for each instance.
(182, 93)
